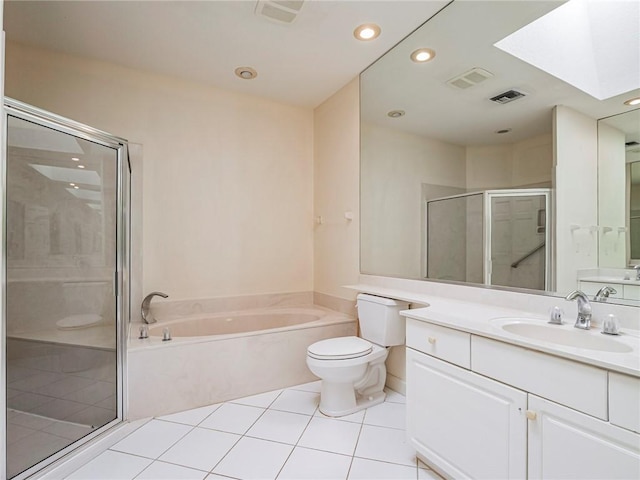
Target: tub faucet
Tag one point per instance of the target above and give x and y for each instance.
(146, 303)
(603, 293)
(584, 309)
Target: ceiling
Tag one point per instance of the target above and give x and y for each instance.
(463, 36)
(302, 63)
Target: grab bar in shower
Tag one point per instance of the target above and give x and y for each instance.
(524, 257)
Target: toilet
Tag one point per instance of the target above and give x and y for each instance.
(352, 369)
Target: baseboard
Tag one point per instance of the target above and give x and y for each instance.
(396, 384)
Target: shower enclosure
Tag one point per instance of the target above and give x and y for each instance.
(65, 285)
(494, 237)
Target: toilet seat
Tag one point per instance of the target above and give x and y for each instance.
(340, 348)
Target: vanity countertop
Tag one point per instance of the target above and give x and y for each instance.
(609, 279)
(482, 319)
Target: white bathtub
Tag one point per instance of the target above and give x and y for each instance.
(249, 322)
(217, 357)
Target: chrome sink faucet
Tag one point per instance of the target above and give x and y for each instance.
(146, 303)
(603, 293)
(584, 309)
(637, 269)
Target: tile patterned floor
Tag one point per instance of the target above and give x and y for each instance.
(278, 434)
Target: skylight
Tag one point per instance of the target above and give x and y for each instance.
(590, 44)
(70, 175)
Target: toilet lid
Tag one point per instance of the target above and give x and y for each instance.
(78, 321)
(340, 348)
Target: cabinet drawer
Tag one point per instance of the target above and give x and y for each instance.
(624, 401)
(576, 385)
(450, 345)
(632, 292)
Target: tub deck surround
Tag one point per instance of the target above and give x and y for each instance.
(189, 372)
(480, 319)
(205, 327)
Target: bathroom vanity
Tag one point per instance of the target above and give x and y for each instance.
(494, 394)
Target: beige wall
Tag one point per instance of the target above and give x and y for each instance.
(397, 166)
(228, 178)
(512, 165)
(576, 152)
(336, 183)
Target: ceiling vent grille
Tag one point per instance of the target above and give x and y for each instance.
(470, 78)
(507, 97)
(281, 11)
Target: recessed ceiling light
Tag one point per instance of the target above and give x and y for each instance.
(396, 113)
(422, 55)
(367, 31)
(80, 166)
(246, 73)
(75, 159)
(72, 184)
(633, 101)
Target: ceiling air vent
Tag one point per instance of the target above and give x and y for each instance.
(507, 97)
(281, 11)
(470, 78)
(632, 146)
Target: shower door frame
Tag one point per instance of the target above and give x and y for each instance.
(488, 195)
(121, 272)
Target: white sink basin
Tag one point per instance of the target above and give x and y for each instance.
(563, 335)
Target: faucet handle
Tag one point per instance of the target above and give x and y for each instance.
(555, 316)
(611, 325)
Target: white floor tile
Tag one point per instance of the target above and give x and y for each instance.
(309, 387)
(254, 459)
(279, 426)
(166, 471)
(363, 469)
(385, 444)
(16, 432)
(93, 393)
(331, 436)
(297, 401)
(357, 417)
(68, 430)
(152, 439)
(191, 417)
(28, 420)
(233, 418)
(313, 464)
(262, 400)
(386, 414)
(394, 397)
(111, 466)
(201, 448)
(31, 449)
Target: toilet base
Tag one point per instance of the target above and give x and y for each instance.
(354, 404)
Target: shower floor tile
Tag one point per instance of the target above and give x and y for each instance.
(278, 445)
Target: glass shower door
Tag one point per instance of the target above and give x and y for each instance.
(61, 304)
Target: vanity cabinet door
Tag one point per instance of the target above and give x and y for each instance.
(565, 444)
(463, 424)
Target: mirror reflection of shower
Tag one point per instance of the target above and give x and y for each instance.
(61, 306)
(495, 237)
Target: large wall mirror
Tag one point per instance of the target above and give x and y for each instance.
(480, 167)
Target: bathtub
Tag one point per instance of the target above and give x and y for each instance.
(244, 323)
(218, 357)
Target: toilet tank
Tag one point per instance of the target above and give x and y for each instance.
(380, 320)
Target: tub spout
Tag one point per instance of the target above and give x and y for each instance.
(146, 303)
